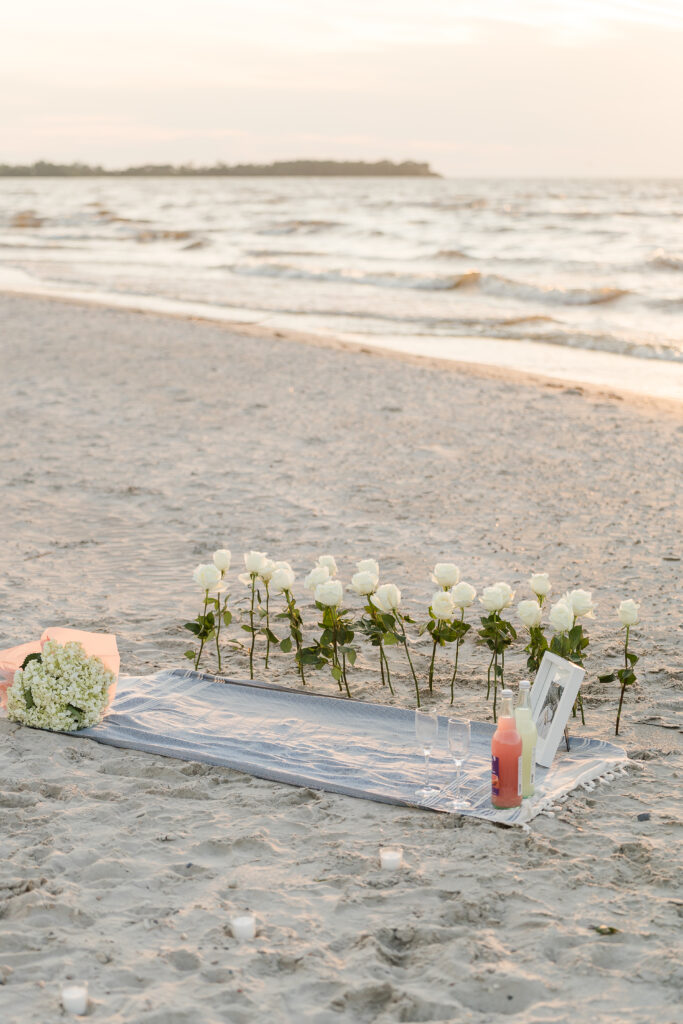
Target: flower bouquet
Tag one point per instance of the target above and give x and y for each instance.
(62, 683)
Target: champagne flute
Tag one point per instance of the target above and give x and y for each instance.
(426, 732)
(459, 747)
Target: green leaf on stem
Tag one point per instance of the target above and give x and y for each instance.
(31, 657)
(76, 712)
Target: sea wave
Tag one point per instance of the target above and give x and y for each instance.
(662, 260)
(490, 284)
(667, 305)
(291, 227)
(270, 253)
(607, 343)
(379, 280)
(504, 287)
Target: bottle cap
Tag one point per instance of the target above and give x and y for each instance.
(525, 684)
(507, 693)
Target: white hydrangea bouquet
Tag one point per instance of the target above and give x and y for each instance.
(61, 689)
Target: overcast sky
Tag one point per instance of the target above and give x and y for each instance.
(495, 87)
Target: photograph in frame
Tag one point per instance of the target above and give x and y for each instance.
(552, 699)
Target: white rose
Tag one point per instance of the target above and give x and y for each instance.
(364, 583)
(540, 584)
(628, 613)
(446, 574)
(318, 574)
(530, 613)
(221, 559)
(492, 599)
(561, 616)
(387, 598)
(282, 565)
(329, 593)
(267, 570)
(368, 565)
(463, 594)
(442, 605)
(581, 602)
(497, 597)
(254, 561)
(282, 579)
(329, 563)
(507, 591)
(207, 577)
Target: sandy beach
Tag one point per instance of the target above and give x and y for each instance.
(134, 445)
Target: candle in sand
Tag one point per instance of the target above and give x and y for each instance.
(75, 998)
(391, 857)
(244, 927)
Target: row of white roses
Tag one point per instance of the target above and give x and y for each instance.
(455, 594)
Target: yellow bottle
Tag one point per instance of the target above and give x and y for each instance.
(526, 728)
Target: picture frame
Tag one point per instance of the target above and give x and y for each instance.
(553, 694)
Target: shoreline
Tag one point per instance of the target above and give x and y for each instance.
(251, 325)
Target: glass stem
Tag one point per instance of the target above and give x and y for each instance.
(458, 779)
(427, 753)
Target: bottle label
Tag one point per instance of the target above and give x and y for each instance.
(519, 775)
(495, 780)
(532, 773)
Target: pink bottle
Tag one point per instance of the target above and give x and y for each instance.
(506, 758)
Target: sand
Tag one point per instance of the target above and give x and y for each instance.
(134, 445)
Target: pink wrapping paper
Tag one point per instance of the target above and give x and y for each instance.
(95, 645)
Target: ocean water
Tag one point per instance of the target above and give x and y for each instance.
(418, 264)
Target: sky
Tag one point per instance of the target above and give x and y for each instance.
(475, 87)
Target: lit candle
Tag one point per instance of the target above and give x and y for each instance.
(391, 857)
(75, 998)
(243, 928)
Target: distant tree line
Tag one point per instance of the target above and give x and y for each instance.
(284, 168)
